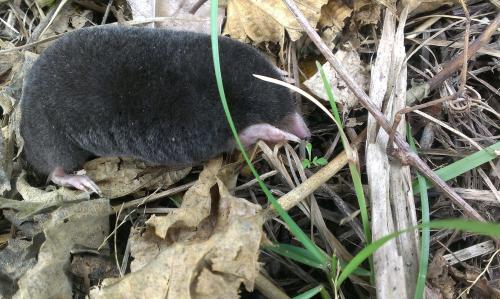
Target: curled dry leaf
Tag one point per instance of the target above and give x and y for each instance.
(367, 12)
(84, 224)
(341, 93)
(118, 177)
(207, 253)
(266, 21)
(332, 20)
(196, 204)
(423, 6)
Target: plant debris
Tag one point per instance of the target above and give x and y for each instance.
(159, 232)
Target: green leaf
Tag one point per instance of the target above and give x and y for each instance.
(309, 147)
(321, 161)
(463, 165)
(298, 254)
(310, 293)
(306, 163)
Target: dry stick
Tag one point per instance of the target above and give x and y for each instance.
(404, 152)
(457, 62)
(106, 13)
(400, 113)
(463, 75)
(296, 195)
(197, 6)
(268, 288)
(36, 34)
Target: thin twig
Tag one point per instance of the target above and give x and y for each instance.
(404, 152)
(457, 62)
(463, 75)
(106, 13)
(400, 113)
(197, 6)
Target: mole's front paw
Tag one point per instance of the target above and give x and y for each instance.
(80, 182)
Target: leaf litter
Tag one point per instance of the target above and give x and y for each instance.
(209, 245)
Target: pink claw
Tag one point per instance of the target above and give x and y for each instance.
(80, 182)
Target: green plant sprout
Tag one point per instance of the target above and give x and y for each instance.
(308, 162)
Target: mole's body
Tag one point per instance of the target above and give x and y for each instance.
(149, 94)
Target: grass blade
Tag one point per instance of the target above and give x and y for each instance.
(425, 238)
(298, 254)
(310, 293)
(294, 228)
(463, 165)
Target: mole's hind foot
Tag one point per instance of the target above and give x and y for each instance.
(80, 182)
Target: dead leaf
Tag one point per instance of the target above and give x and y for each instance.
(424, 6)
(215, 256)
(332, 20)
(367, 12)
(266, 21)
(15, 259)
(341, 93)
(439, 277)
(84, 224)
(196, 204)
(118, 177)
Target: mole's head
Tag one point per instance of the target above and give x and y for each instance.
(260, 109)
(270, 113)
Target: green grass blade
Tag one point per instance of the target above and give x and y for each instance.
(491, 229)
(482, 228)
(294, 228)
(329, 92)
(310, 293)
(356, 178)
(463, 165)
(425, 238)
(298, 254)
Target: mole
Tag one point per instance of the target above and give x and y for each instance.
(149, 94)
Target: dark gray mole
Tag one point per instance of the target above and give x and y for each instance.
(145, 93)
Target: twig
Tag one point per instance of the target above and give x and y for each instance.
(197, 6)
(472, 48)
(106, 13)
(295, 196)
(404, 152)
(268, 288)
(463, 75)
(400, 113)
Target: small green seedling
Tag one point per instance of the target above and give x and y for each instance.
(308, 162)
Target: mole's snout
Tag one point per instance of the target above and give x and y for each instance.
(296, 125)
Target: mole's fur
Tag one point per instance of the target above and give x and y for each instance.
(145, 93)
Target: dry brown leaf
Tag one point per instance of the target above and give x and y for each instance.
(266, 21)
(216, 256)
(118, 177)
(342, 94)
(332, 21)
(366, 12)
(84, 224)
(196, 205)
(423, 6)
